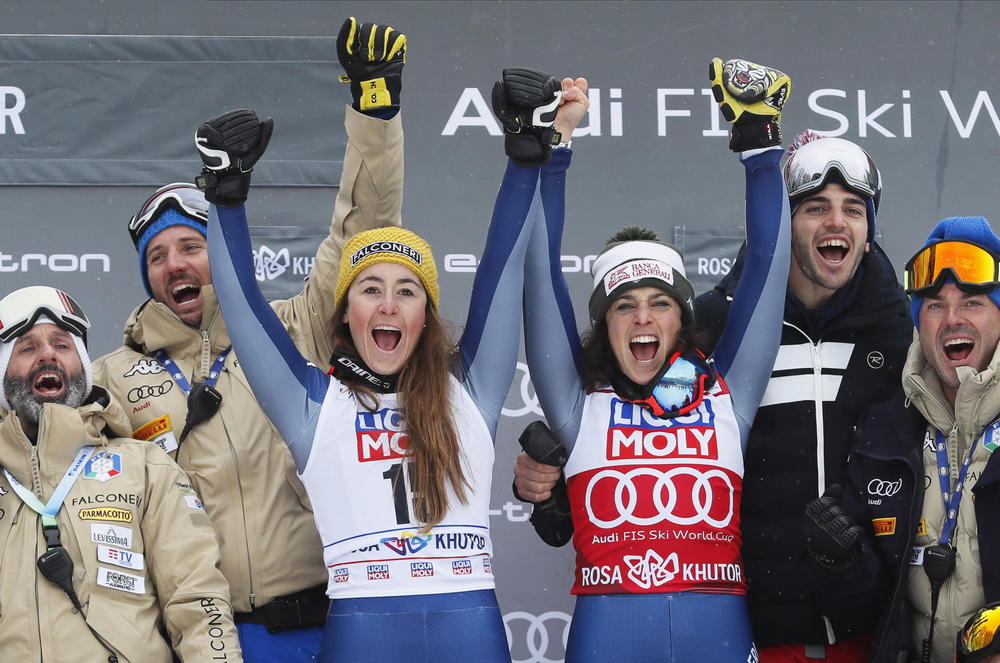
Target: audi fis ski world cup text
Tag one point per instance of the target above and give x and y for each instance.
(834, 112)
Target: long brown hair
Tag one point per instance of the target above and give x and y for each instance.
(435, 456)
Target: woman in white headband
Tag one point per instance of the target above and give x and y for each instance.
(654, 431)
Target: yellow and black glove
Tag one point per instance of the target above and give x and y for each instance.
(373, 56)
(751, 97)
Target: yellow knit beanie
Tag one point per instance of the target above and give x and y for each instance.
(391, 244)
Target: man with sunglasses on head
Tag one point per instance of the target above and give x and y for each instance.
(106, 553)
(184, 389)
(843, 343)
(912, 542)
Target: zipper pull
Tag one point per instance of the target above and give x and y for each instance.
(253, 602)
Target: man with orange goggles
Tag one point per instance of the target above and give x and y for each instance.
(914, 534)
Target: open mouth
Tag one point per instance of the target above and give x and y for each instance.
(833, 250)
(386, 337)
(959, 349)
(48, 384)
(185, 293)
(644, 347)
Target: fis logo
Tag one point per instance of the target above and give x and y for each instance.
(378, 571)
(421, 569)
(635, 433)
(341, 575)
(380, 435)
(461, 567)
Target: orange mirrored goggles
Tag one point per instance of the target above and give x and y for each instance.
(978, 640)
(967, 263)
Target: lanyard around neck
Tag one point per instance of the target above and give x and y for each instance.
(178, 375)
(952, 498)
(49, 510)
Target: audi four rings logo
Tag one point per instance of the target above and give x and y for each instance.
(884, 488)
(541, 638)
(665, 492)
(149, 391)
(528, 398)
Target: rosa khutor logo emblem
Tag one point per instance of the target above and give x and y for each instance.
(269, 265)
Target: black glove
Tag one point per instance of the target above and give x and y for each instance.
(525, 101)
(551, 519)
(230, 145)
(750, 96)
(375, 75)
(833, 539)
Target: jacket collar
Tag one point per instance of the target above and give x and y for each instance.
(152, 326)
(62, 432)
(878, 293)
(977, 403)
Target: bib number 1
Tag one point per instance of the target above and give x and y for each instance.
(396, 475)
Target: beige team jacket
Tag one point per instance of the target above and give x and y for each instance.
(143, 550)
(237, 461)
(977, 405)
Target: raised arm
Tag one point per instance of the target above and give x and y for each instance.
(751, 96)
(370, 194)
(488, 348)
(288, 388)
(550, 335)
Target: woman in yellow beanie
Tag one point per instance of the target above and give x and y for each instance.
(395, 444)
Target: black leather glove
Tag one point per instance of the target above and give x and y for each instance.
(750, 96)
(230, 145)
(375, 74)
(525, 101)
(833, 539)
(551, 519)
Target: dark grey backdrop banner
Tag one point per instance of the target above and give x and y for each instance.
(103, 110)
(100, 99)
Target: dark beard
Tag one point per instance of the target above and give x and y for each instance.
(28, 407)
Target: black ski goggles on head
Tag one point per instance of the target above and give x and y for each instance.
(969, 264)
(21, 309)
(186, 198)
(978, 640)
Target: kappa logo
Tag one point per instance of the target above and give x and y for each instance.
(883, 488)
(268, 264)
(144, 367)
(406, 543)
(651, 570)
(149, 391)
(103, 466)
